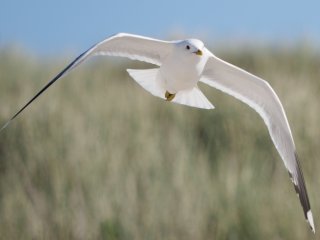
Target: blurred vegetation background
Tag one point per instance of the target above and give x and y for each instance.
(97, 157)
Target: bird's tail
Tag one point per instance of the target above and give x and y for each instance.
(150, 80)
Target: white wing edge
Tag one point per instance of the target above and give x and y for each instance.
(144, 52)
(310, 220)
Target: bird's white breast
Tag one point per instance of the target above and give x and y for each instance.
(181, 71)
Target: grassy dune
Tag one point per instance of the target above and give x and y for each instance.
(97, 157)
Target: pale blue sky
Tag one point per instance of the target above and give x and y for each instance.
(52, 27)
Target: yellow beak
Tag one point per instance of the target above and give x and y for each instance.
(199, 53)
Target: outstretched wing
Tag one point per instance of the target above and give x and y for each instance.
(259, 95)
(123, 45)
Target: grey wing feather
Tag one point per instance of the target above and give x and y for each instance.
(259, 95)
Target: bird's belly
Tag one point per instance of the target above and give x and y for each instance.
(175, 79)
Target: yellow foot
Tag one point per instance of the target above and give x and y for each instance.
(169, 96)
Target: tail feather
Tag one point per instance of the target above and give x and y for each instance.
(193, 98)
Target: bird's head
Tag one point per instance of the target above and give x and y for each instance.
(193, 46)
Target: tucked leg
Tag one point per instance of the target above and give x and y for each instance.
(169, 96)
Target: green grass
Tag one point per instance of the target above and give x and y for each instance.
(97, 157)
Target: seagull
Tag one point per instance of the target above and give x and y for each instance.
(181, 64)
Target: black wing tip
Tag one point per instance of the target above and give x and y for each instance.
(73, 64)
(301, 190)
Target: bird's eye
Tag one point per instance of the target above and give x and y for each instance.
(188, 47)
